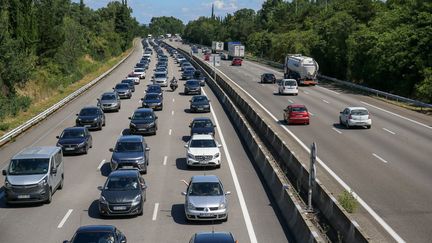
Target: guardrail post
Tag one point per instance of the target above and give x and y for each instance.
(312, 175)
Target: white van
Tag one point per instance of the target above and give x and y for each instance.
(288, 86)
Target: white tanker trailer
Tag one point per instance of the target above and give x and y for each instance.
(301, 68)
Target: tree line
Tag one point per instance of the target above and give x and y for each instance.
(56, 42)
(385, 45)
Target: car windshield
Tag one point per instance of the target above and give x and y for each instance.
(152, 97)
(269, 75)
(28, 166)
(205, 189)
(203, 143)
(190, 69)
(108, 97)
(142, 115)
(88, 112)
(160, 69)
(96, 237)
(359, 112)
(160, 75)
(127, 81)
(117, 183)
(199, 98)
(202, 124)
(139, 70)
(299, 109)
(153, 89)
(129, 147)
(192, 83)
(122, 86)
(73, 134)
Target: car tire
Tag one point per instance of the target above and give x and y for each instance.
(225, 219)
(347, 125)
(49, 199)
(86, 149)
(104, 123)
(100, 126)
(369, 127)
(61, 183)
(340, 121)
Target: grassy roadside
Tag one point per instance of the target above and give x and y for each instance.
(41, 103)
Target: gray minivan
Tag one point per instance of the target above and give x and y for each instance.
(34, 174)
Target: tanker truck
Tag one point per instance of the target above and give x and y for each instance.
(301, 68)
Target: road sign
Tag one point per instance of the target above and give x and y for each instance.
(215, 60)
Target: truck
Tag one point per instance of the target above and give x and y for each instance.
(217, 46)
(236, 50)
(301, 68)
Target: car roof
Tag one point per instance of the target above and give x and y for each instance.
(160, 73)
(130, 138)
(201, 119)
(124, 172)
(36, 152)
(202, 136)
(213, 237)
(144, 110)
(205, 178)
(92, 228)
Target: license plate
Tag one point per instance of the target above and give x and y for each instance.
(142, 129)
(23, 196)
(68, 149)
(119, 208)
(206, 214)
(200, 109)
(87, 125)
(128, 167)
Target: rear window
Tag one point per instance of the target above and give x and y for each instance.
(290, 83)
(359, 112)
(298, 109)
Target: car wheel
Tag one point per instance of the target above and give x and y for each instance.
(86, 149)
(61, 183)
(104, 123)
(347, 125)
(100, 126)
(340, 121)
(368, 127)
(49, 199)
(141, 212)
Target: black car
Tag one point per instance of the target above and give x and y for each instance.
(98, 233)
(198, 76)
(213, 237)
(192, 87)
(75, 140)
(130, 82)
(202, 125)
(154, 88)
(268, 78)
(123, 193)
(199, 103)
(91, 117)
(143, 121)
(153, 100)
(141, 65)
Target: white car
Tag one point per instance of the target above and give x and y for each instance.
(355, 116)
(136, 79)
(288, 86)
(140, 72)
(203, 150)
(160, 78)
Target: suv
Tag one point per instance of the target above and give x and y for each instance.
(288, 86)
(355, 116)
(203, 150)
(91, 117)
(130, 151)
(109, 101)
(75, 140)
(33, 175)
(205, 199)
(143, 121)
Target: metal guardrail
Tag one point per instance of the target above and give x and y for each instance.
(41, 116)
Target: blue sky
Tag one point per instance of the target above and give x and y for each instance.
(186, 10)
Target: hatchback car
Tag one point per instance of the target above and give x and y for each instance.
(288, 86)
(135, 77)
(123, 193)
(355, 116)
(192, 87)
(161, 79)
(75, 140)
(268, 78)
(109, 101)
(205, 199)
(153, 100)
(91, 117)
(123, 90)
(131, 151)
(202, 125)
(98, 233)
(213, 237)
(130, 82)
(236, 61)
(140, 72)
(199, 103)
(143, 121)
(296, 114)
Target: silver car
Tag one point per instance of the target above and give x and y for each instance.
(205, 199)
(160, 78)
(109, 101)
(355, 116)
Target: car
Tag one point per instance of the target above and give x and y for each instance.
(141, 65)
(188, 74)
(198, 76)
(288, 86)
(123, 90)
(143, 121)
(184, 65)
(33, 175)
(140, 72)
(130, 82)
(199, 103)
(202, 150)
(268, 78)
(236, 61)
(130, 151)
(162, 64)
(154, 88)
(160, 78)
(207, 57)
(109, 101)
(153, 100)
(161, 70)
(205, 199)
(192, 87)
(202, 125)
(98, 233)
(75, 140)
(296, 114)
(123, 193)
(355, 117)
(213, 237)
(135, 77)
(91, 117)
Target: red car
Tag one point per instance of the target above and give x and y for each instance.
(236, 62)
(296, 114)
(207, 57)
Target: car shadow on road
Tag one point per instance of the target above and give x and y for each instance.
(187, 110)
(93, 212)
(178, 215)
(126, 131)
(105, 169)
(186, 138)
(343, 127)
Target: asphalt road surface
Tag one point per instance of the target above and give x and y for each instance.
(252, 217)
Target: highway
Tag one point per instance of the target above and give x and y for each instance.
(252, 218)
(388, 166)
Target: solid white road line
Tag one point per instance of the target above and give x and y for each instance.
(337, 130)
(385, 129)
(392, 113)
(165, 160)
(381, 221)
(325, 101)
(237, 186)
(170, 131)
(172, 113)
(155, 211)
(290, 101)
(334, 92)
(100, 165)
(378, 157)
(63, 221)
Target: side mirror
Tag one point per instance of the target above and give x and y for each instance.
(98, 99)
(4, 172)
(100, 188)
(130, 118)
(54, 170)
(190, 125)
(228, 193)
(143, 186)
(219, 145)
(147, 149)
(285, 110)
(123, 241)
(156, 118)
(214, 125)
(76, 114)
(209, 100)
(142, 98)
(340, 112)
(57, 137)
(111, 150)
(183, 193)
(190, 101)
(65, 241)
(186, 146)
(113, 88)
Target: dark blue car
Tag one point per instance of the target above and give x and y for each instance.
(199, 103)
(153, 100)
(154, 88)
(202, 125)
(213, 237)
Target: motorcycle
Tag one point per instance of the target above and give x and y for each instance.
(173, 84)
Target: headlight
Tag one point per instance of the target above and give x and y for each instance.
(191, 156)
(81, 144)
(7, 184)
(132, 124)
(59, 145)
(43, 182)
(151, 124)
(103, 200)
(190, 206)
(140, 161)
(222, 206)
(113, 161)
(216, 155)
(136, 200)
(95, 119)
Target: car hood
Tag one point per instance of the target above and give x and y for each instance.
(122, 90)
(152, 101)
(200, 103)
(71, 140)
(206, 201)
(127, 155)
(142, 121)
(88, 117)
(203, 151)
(108, 101)
(127, 196)
(193, 86)
(25, 179)
(204, 130)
